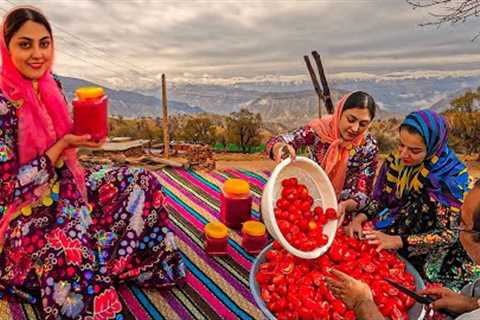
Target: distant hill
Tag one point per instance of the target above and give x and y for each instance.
(443, 104)
(212, 98)
(128, 103)
(397, 92)
(294, 109)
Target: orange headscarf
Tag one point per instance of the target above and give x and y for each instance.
(335, 159)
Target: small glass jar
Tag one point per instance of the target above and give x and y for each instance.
(90, 112)
(254, 236)
(216, 238)
(236, 203)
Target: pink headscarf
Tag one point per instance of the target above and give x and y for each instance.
(335, 159)
(40, 123)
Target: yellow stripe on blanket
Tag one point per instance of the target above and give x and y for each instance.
(5, 313)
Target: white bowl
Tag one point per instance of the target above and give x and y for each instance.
(320, 188)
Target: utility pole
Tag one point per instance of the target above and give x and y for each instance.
(166, 137)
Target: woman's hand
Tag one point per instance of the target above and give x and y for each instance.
(354, 229)
(278, 151)
(446, 299)
(71, 141)
(74, 141)
(351, 291)
(345, 207)
(382, 240)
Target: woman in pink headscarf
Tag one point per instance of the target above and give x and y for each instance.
(68, 235)
(343, 148)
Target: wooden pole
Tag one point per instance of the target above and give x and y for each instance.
(316, 85)
(323, 80)
(166, 137)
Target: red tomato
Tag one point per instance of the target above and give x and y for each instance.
(335, 253)
(331, 214)
(282, 203)
(349, 315)
(266, 296)
(262, 277)
(293, 288)
(339, 307)
(318, 211)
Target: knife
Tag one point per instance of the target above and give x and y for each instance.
(419, 298)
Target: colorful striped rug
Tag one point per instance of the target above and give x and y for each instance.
(217, 287)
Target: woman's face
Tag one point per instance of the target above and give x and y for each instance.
(31, 50)
(354, 122)
(412, 148)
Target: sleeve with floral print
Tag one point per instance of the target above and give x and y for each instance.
(378, 198)
(301, 137)
(359, 180)
(17, 181)
(442, 235)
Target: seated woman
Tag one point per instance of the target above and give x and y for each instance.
(343, 148)
(417, 200)
(68, 234)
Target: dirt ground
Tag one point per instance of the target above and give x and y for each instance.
(261, 162)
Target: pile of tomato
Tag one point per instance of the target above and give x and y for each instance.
(294, 288)
(300, 223)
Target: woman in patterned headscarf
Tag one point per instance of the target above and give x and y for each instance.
(417, 199)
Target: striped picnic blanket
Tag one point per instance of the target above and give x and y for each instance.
(216, 287)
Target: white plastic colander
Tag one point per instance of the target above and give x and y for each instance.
(320, 188)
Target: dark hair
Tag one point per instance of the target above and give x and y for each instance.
(18, 17)
(361, 100)
(476, 211)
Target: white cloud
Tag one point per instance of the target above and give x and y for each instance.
(122, 42)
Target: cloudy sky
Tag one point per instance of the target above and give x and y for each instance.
(130, 43)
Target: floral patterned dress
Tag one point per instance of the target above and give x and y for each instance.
(361, 167)
(68, 253)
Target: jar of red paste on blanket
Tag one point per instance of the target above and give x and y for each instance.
(216, 238)
(254, 236)
(90, 112)
(236, 203)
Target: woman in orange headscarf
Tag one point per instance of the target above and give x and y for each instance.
(341, 145)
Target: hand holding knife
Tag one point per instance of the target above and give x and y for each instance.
(420, 299)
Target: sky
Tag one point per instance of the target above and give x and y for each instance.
(129, 44)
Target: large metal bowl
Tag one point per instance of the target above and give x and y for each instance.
(416, 312)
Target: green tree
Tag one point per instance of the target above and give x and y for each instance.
(464, 131)
(243, 129)
(221, 136)
(465, 103)
(198, 130)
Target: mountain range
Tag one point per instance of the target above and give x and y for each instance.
(288, 102)
(128, 103)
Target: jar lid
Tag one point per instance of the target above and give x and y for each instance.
(236, 186)
(253, 228)
(85, 93)
(216, 230)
